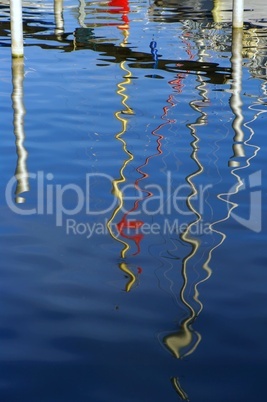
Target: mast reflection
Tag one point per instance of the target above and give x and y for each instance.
(184, 341)
(196, 264)
(21, 172)
(122, 117)
(235, 100)
(58, 15)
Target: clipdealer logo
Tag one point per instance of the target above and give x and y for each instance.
(168, 226)
(165, 200)
(252, 187)
(53, 199)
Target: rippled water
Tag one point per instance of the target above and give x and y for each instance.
(133, 213)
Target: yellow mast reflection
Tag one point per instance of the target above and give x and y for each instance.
(21, 172)
(186, 339)
(184, 342)
(177, 386)
(116, 183)
(121, 116)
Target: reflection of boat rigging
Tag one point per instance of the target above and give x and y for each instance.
(120, 7)
(196, 264)
(184, 341)
(239, 160)
(125, 226)
(59, 21)
(122, 118)
(21, 173)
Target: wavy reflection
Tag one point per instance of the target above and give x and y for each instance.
(82, 13)
(21, 172)
(240, 144)
(236, 104)
(183, 342)
(120, 7)
(178, 388)
(126, 224)
(121, 117)
(170, 11)
(235, 100)
(238, 139)
(93, 16)
(119, 235)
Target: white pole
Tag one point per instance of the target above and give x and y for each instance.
(16, 28)
(238, 11)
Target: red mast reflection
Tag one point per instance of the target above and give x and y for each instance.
(120, 7)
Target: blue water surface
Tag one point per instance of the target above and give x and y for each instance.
(132, 204)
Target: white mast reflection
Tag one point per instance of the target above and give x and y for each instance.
(239, 139)
(82, 13)
(238, 123)
(58, 15)
(21, 172)
(235, 100)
